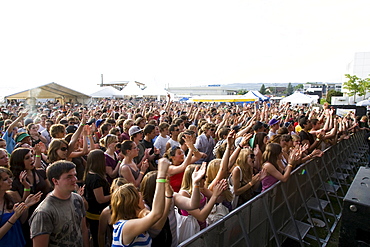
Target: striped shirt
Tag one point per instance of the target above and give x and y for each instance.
(142, 240)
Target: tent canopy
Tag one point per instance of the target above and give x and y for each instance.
(107, 92)
(298, 98)
(51, 91)
(256, 95)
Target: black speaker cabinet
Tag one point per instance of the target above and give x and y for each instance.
(355, 229)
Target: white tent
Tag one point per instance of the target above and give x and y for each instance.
(107, 92)
(365, 102)
(298, 98)
(254, 94)
(132, 89)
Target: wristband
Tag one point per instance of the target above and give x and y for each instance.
(27, 189)
(161, 177)
(161, 180)
(250, 183)
(82, 124)
(38, 156)
(240, 146)
(196, 186)
(141, 172)
(10, 223)
(290, 165)
(318, 139)
(169, 197)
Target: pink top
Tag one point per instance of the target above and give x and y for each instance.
(268, 181)
(202, 203)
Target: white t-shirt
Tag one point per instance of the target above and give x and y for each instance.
(160, 143)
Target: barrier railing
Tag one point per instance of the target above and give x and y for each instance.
(306, 208)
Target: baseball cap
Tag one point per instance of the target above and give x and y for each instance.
(287, 124)
(21, 136)
(273, 121)
(133, 130)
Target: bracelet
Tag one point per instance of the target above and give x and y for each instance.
(29, 189)
(38, 156)
(290, 165)
(161, 180)
(141, 172)
(317, 139)
(82, 124)
(240, 146)
(196, 151)
(196, 186)
(10, 223)
(250, 183)
(169, 197)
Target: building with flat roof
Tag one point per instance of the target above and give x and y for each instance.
(202, 90)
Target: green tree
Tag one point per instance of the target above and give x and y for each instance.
(290, 89)
(242, 92)
(299, 86)
(332, 93)
(364, 85)
(353, 86)
(263, 89)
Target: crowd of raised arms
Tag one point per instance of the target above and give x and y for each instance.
(117, 173)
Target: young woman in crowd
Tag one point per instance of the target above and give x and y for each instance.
(12, 214)
(205, 207)
(242, 178)
(164, 232)
(128, 168)
(105, 227)
(179, 162)
(127, 205)
(36, 137)
(111, 157)
(96, 190)
(270, 168)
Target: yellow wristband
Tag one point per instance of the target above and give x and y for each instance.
(290, 165)
(141, 172)
(161, 180)
(38, 156)
(26, 189)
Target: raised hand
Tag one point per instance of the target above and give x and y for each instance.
(245, 139)
(80, 190)
(163, 165)
(230, 138)
(32, 199)
(255, 179)
(144, 165)
(199, 173)
(19, 209)
(220, 187)
(23, 180)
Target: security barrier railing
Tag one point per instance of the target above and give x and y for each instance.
(306, 208)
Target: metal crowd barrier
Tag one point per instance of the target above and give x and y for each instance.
(306, 208)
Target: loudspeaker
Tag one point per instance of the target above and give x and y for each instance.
(355, 229)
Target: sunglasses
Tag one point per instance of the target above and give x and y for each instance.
(64, 149)
(177, 129)
(252, 156)
(212, 129)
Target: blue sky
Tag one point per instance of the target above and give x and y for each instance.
(179, 43)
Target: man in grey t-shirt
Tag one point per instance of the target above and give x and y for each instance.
(60, 219)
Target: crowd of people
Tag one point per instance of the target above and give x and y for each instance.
(118, 173)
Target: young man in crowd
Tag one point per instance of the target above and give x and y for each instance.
(59, 220)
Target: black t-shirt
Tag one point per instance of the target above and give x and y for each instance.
(94, 181)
